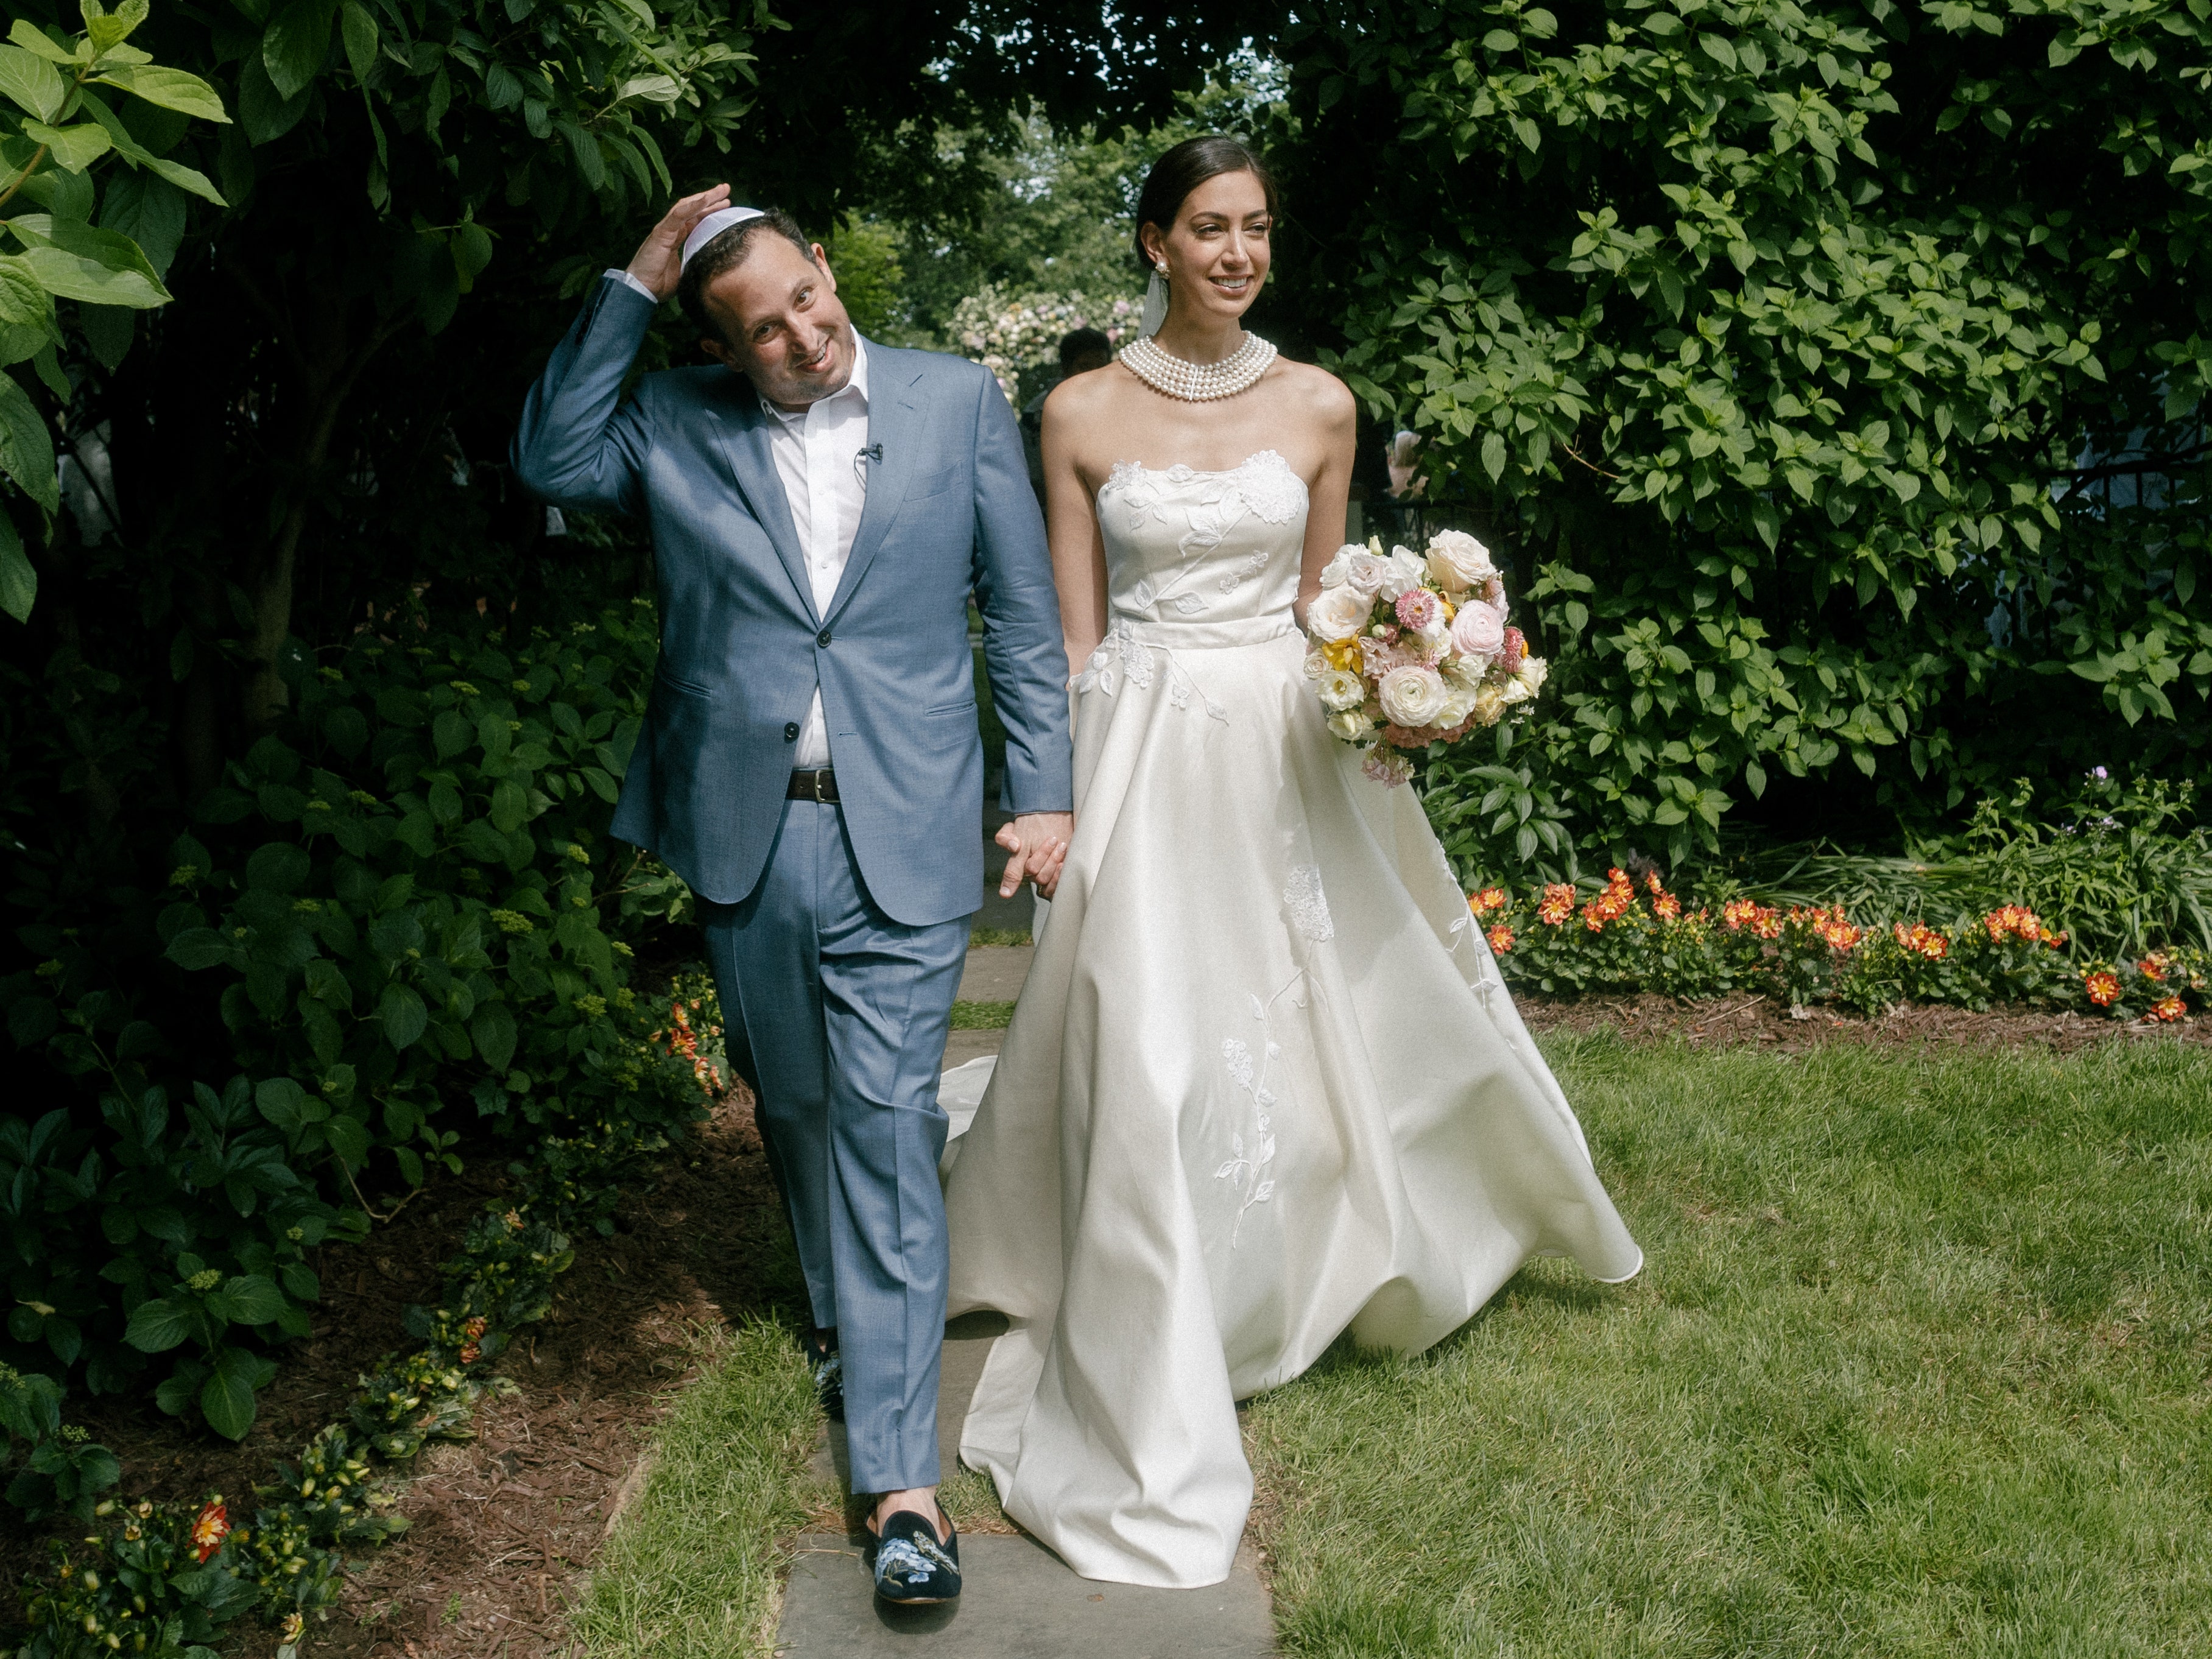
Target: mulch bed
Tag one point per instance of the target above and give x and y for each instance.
(504, 1524)
(1765, 1023)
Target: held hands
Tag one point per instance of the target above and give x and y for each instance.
(1038, 844)
(658, 260)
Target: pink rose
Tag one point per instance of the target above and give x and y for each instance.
(1478, 630)
(1417, 609)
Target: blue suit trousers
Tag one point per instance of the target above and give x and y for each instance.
(836, 1016)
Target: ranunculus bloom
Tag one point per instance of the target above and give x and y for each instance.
(1478, 630)
(1412, 696)
(1339, 613)
(1458, 560)
(1364, 570)
(1339, 688)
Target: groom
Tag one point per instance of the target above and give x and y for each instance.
(822, 508)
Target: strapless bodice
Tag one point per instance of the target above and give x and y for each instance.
(1196, 558)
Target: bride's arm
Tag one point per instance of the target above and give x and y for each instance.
(1071, 522)
(1335, 415)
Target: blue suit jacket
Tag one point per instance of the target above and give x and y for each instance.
(949, 510)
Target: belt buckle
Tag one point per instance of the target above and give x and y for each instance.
(814, 775)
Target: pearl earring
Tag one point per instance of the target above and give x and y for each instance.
(1162, 265)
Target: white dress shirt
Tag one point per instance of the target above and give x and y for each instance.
(817, 456)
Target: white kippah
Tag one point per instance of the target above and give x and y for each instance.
(713, 225)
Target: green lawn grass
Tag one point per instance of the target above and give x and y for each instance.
(1917, 1365)
(691, 1571)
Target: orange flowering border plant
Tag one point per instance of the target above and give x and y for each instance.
(1627, 935)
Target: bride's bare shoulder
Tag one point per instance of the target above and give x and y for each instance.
(1319, 393)
(1085, 396)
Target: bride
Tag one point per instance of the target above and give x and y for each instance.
(1264, 1084)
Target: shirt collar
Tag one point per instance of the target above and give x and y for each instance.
(856, 390)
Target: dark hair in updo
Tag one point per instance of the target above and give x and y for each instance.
(1183, 170)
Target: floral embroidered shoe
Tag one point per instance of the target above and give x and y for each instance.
(912, 1568)
(829, 1384)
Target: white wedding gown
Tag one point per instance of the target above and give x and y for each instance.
(1263, 1085)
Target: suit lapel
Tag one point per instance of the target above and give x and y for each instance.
(893, 421)
(741, 429)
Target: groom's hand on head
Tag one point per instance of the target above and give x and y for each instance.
(1037, 844)
(659, 261)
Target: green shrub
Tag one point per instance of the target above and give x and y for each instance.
(399, 927)
(1833, 374)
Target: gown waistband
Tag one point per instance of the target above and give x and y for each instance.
(1203, 635)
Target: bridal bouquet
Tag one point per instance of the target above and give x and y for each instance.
(1412, 648)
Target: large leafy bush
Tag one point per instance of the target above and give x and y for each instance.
(397, 922)
(1835, 372)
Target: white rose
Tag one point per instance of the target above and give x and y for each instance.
(1515, 690)
(1533, 672)
(1459, 703)
(1364, 570)
(1337, 571)
(1351, 723)
(1339, 613)
(1489, 704)
(1458, 560)
(1411, 696)
(1466, 672)
(1403, 573)
(1340, 689)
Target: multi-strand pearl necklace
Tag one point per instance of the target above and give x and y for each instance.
(1199, 383)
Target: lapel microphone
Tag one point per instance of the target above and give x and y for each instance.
(861, 457)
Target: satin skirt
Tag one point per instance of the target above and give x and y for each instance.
(1264, 1086)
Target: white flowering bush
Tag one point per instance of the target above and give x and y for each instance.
(1010, 335)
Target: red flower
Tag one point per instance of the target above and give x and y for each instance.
(1558, 905)
(2102, 987)
(209, 1528)
(2151, 967)
(1763, 921)
(1489, 899)
(2014, 921)
(2169, 1009)
(1666, 906)
(1923, 940)
(1500, 938)
(1517, 648)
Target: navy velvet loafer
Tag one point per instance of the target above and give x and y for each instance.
(913, 1568)
(830, 1385)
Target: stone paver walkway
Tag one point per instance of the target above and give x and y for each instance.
(1020, 1601)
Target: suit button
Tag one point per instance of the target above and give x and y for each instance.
(823, 638)
(791, 732)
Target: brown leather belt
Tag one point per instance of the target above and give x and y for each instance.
(819, 784)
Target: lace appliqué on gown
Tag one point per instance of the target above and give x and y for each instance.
(1246, 1168)
(1263, 485)
(1121, 655)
